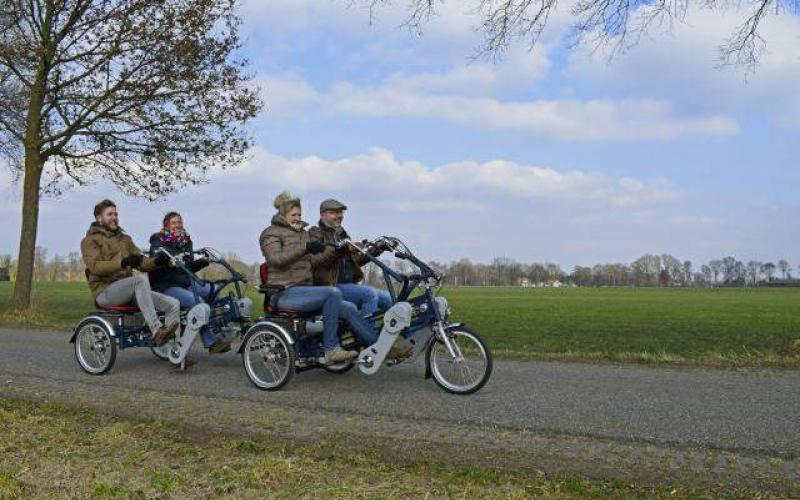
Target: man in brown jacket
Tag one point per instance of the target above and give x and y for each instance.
(340, 264)
(110, 257)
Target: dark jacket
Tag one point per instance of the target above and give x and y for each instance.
(284, 249)
(103, 251)
(165, 277)
(329, 264)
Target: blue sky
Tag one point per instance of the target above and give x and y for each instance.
(552, 155)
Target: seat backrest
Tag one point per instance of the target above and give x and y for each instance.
(263, 272)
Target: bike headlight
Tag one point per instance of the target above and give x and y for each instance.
(443, 307)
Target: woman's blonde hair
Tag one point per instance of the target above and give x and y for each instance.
(284, 202)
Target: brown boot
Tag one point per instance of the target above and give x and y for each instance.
(164, 333)
(189, 362)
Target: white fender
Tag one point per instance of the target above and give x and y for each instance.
(196, 318)
(395, 320)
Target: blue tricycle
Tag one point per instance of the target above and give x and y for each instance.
(226, 313)
(284, 342)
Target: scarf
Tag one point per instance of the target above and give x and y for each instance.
(174, 238)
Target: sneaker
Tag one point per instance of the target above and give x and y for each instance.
(401, 351)
(339, 355)
(164, 333)
(219, 347)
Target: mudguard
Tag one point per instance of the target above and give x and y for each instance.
(430, 342)
(395, 320)
(103, 320)
(268, 324)
(196, 319)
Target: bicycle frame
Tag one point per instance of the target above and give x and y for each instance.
(231, 312)
(432, 316)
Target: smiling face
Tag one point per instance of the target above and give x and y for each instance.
(293, 216)
(175, 223)
(108, 218)
(332, 218)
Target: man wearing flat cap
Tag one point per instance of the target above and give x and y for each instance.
(340, 264)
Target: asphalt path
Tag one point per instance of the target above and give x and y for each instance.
(757, 411)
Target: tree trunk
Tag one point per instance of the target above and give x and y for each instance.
(27, 236)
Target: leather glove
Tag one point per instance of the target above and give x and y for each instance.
(341, 247)
(162, 260)
(133, 260)
(315, 246)
(199, 264)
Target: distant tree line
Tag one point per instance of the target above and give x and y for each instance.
(71, 267)
(649, 270)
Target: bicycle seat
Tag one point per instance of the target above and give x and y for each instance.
(120, 309)
(289, 313)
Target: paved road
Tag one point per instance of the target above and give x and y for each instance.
(751, 411)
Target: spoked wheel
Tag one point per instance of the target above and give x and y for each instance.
(95, 348)
(268, 358)
(468, 370)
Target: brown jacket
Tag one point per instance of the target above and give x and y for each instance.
(284, 248)
(326, 264)
(103, 251)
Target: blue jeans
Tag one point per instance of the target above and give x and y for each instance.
(328, 299)
(186, 298)
(368, 299)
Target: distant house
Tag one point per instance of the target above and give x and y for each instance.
(525, 282)
(5, 275)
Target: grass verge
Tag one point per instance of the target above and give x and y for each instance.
(52, 451)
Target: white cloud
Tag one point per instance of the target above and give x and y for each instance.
(450, 185)
(454, 21)
(579, 120)
(683, 66)
(286, 95)
(520, 70)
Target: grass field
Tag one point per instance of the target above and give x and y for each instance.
(704, 326)
(42, 456)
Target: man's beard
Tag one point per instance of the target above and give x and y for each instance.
(296, 225)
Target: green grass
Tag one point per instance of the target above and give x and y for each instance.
(725, 327)
(645, 324)
(49, 451)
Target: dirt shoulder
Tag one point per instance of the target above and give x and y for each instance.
(407, 442)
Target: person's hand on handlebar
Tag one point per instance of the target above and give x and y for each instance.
(341, 247)
(133, 260)
(314, 247)
(162, 259)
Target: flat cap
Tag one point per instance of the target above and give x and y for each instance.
(331, 204)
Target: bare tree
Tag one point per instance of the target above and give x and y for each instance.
(75, 266)
(768, 270)
(144, 93)
(687, 272)
(716, 268)
(40, 264)
(754, 271)
(784, 268)
(708, 274)
(618, 24)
